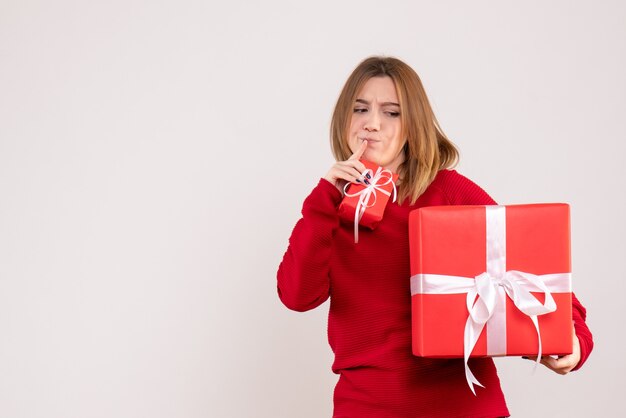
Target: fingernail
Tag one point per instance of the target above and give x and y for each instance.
(366, 182)
(368, 175)
(358, 181)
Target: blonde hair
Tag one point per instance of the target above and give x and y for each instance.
(427, 150)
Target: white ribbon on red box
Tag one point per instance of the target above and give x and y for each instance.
(487, 292)
(381, 178)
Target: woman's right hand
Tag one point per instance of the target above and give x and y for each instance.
(349, 171)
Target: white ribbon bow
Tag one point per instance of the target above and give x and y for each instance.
(381, 178)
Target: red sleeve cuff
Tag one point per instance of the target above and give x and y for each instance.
(585, 338)
(328, 187)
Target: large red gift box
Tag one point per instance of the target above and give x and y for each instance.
(364, 204)
(465, 247)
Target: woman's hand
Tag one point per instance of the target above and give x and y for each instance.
(563, 364)
(348, 171)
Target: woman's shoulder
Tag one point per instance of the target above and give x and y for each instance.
(449, 180)
(459, 189)
(447, 175)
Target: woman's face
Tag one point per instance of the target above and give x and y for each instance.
(376, 118)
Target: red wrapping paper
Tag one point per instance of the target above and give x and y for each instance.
(451, 240)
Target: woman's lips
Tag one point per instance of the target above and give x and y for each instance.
(369, 140)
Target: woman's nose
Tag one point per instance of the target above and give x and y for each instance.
(373, 122)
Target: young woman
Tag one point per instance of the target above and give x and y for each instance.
(383, 115)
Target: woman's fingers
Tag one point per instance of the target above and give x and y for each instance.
(359, 152)
(350, 171)
(560, 365)
(347, 171)
(563, 364)
(350, 165)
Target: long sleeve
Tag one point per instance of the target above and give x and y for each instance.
(579, 315)
(303, 274)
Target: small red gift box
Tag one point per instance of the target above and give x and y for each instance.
(364, 204)
(488, 280)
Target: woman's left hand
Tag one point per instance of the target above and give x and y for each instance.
(563, 364)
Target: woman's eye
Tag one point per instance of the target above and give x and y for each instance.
(360, 110)
(393, 114)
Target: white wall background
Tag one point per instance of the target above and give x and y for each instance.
(154, 156)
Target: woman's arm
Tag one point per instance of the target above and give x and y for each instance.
(303, 275)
